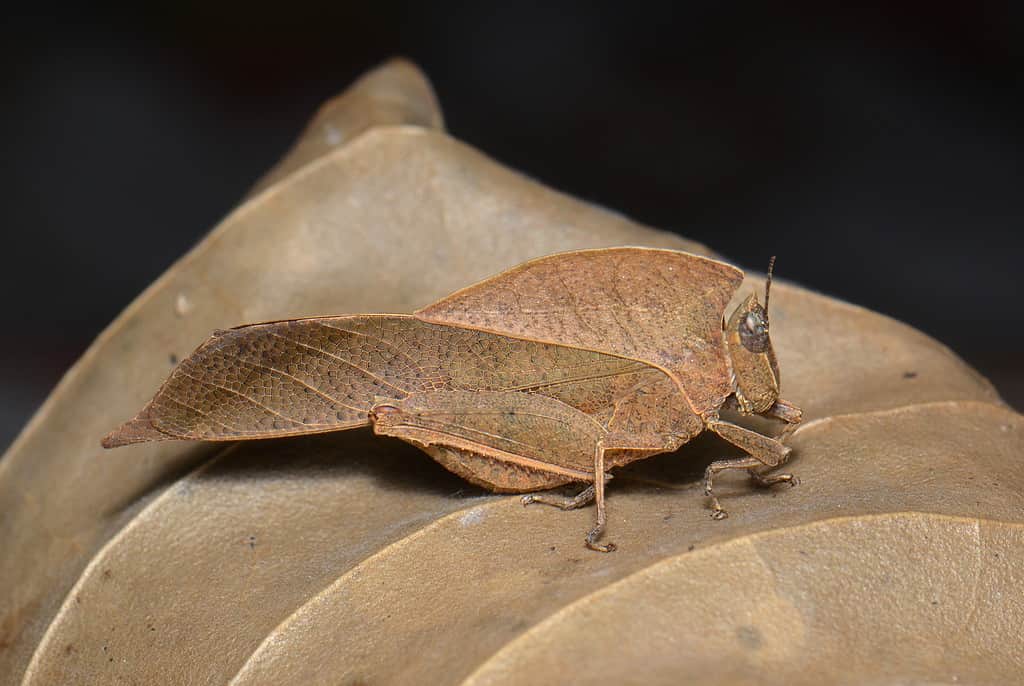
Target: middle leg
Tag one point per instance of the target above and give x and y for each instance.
(764, 454)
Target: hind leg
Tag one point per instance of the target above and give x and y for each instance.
(584, 497)
(593, 492)
(599, 482)
(572, 502)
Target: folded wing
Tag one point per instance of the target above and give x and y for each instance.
(324, 374)
(662, 307)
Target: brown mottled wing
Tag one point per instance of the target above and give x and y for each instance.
(322, 374)
(660, 306)
(653, 418)
(523, 430)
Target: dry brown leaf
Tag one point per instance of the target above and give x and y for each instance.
(394, 94)
(347, 558)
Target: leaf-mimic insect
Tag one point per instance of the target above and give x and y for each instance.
(553, 372)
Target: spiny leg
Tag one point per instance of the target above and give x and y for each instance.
(765, 453)
(572, 502)
(787, 412)
(720, 466)
(577, 501)
(592, 492)
(763, 478)
(599, 481)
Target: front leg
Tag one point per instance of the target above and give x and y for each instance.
(780, 409)
(787, 412)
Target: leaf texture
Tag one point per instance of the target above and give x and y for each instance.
(324, 374)
(350, 558)
(522, 429)
(670, 315)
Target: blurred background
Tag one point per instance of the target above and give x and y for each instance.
(878, 151)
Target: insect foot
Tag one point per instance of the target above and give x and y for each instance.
(766, 481)
(606, 548)
(717, 513)
(592, 537)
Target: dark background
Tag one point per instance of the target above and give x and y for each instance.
(878, 152)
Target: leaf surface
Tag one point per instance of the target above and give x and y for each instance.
(322, 240)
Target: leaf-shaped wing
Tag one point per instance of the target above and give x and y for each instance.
(323, 374)
(661, 306)
(526, 430)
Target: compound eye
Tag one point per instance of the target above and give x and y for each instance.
(753, 330)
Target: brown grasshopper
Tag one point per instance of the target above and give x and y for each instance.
(552, 372)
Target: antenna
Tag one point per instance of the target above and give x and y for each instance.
(768, 283)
